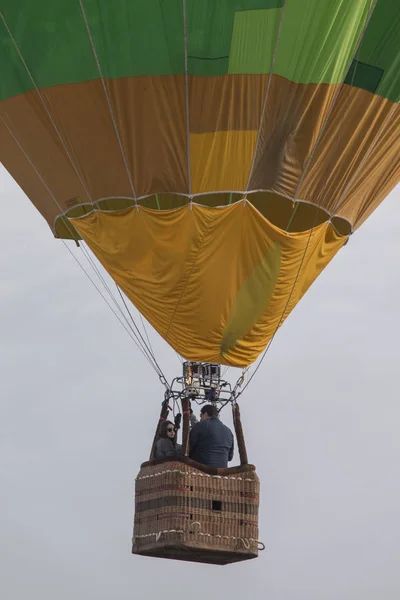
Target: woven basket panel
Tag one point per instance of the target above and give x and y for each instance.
(176, 503)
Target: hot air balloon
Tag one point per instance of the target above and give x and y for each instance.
(214, 155)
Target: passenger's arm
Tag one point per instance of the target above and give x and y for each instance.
(160, 450)
(231, 450)
(165, 448)
(171, 450)
(193, 419)
(193, 438)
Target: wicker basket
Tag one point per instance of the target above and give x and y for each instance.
(186, 511)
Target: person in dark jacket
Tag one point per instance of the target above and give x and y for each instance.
(211, 442)
(166, 444)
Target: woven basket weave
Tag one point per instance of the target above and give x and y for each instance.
(189, 512)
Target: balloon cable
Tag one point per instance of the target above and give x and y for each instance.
(143, 348)
(104, 298)
(149, 349)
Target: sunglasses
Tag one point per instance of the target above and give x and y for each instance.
(169, 429)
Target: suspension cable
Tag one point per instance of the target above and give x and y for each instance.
(127, 326)
(145, 331)
(141, 337)
(105, 299)
(142, 348)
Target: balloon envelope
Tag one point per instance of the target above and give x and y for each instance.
(214, 155)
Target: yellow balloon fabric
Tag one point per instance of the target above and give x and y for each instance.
(214, 282)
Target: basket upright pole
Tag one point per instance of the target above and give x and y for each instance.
(239, 434)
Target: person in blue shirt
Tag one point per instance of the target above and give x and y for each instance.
(211, 442)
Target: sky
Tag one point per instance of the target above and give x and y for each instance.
(79, 403)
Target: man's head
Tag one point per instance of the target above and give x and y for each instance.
(208, 411)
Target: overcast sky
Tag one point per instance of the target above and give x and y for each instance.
(79, 404)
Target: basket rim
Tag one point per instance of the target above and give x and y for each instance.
(205, 468)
